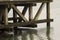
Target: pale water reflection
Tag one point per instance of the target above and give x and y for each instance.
(28, 34)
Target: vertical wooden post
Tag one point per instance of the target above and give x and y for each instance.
(14, 16)
(30, 13)
(48, 17)
(30, 19)
(5, 15)
(14, 21)
(0, 15)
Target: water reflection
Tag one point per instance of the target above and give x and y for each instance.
(5, 36)
(27, 34)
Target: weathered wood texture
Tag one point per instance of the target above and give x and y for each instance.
(48, 23)
(27, 0)
(22, 1)
(25, 23)
(18, 12)
(39, 11)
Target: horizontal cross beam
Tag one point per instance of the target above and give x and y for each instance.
(26, 23)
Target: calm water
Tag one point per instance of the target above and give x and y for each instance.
(27, 34)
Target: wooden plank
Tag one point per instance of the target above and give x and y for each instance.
(48, 23)
(26, 4)
(6, 2)
(39, 12)
(26, 23)
(25, 0)
(0, 15)
(19, 13)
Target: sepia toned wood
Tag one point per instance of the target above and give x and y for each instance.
(1, 14)
(30, 13)
(14, 21)
(31, 17)
(11, 18)
(39, 12)
(25, 0)
(26, 4)
(6, 5)
(26, 23)
(19, 13)
(17, 2)
(48, 23)
(5, 15)
(14, 17)
(23, 12)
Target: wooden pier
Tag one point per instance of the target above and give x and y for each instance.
(6, 5)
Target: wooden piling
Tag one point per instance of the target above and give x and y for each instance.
(48, 17)
(5, 15)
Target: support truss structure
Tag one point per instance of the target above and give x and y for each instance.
(4, 16)
(22, 20)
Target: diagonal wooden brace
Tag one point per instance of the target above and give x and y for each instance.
(19, 18)
(23, 12)
(19, 13)
(39, 11)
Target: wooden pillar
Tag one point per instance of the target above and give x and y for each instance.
(14, 21)
(48, 17)
(30, 13)
(5, 15)
(0, 15)
(30, 19)
(14, 16)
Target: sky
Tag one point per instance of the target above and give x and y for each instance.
(55, 13)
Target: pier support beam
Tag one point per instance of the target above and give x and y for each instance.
(5, 14)
(48, 17)
(14, 21)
